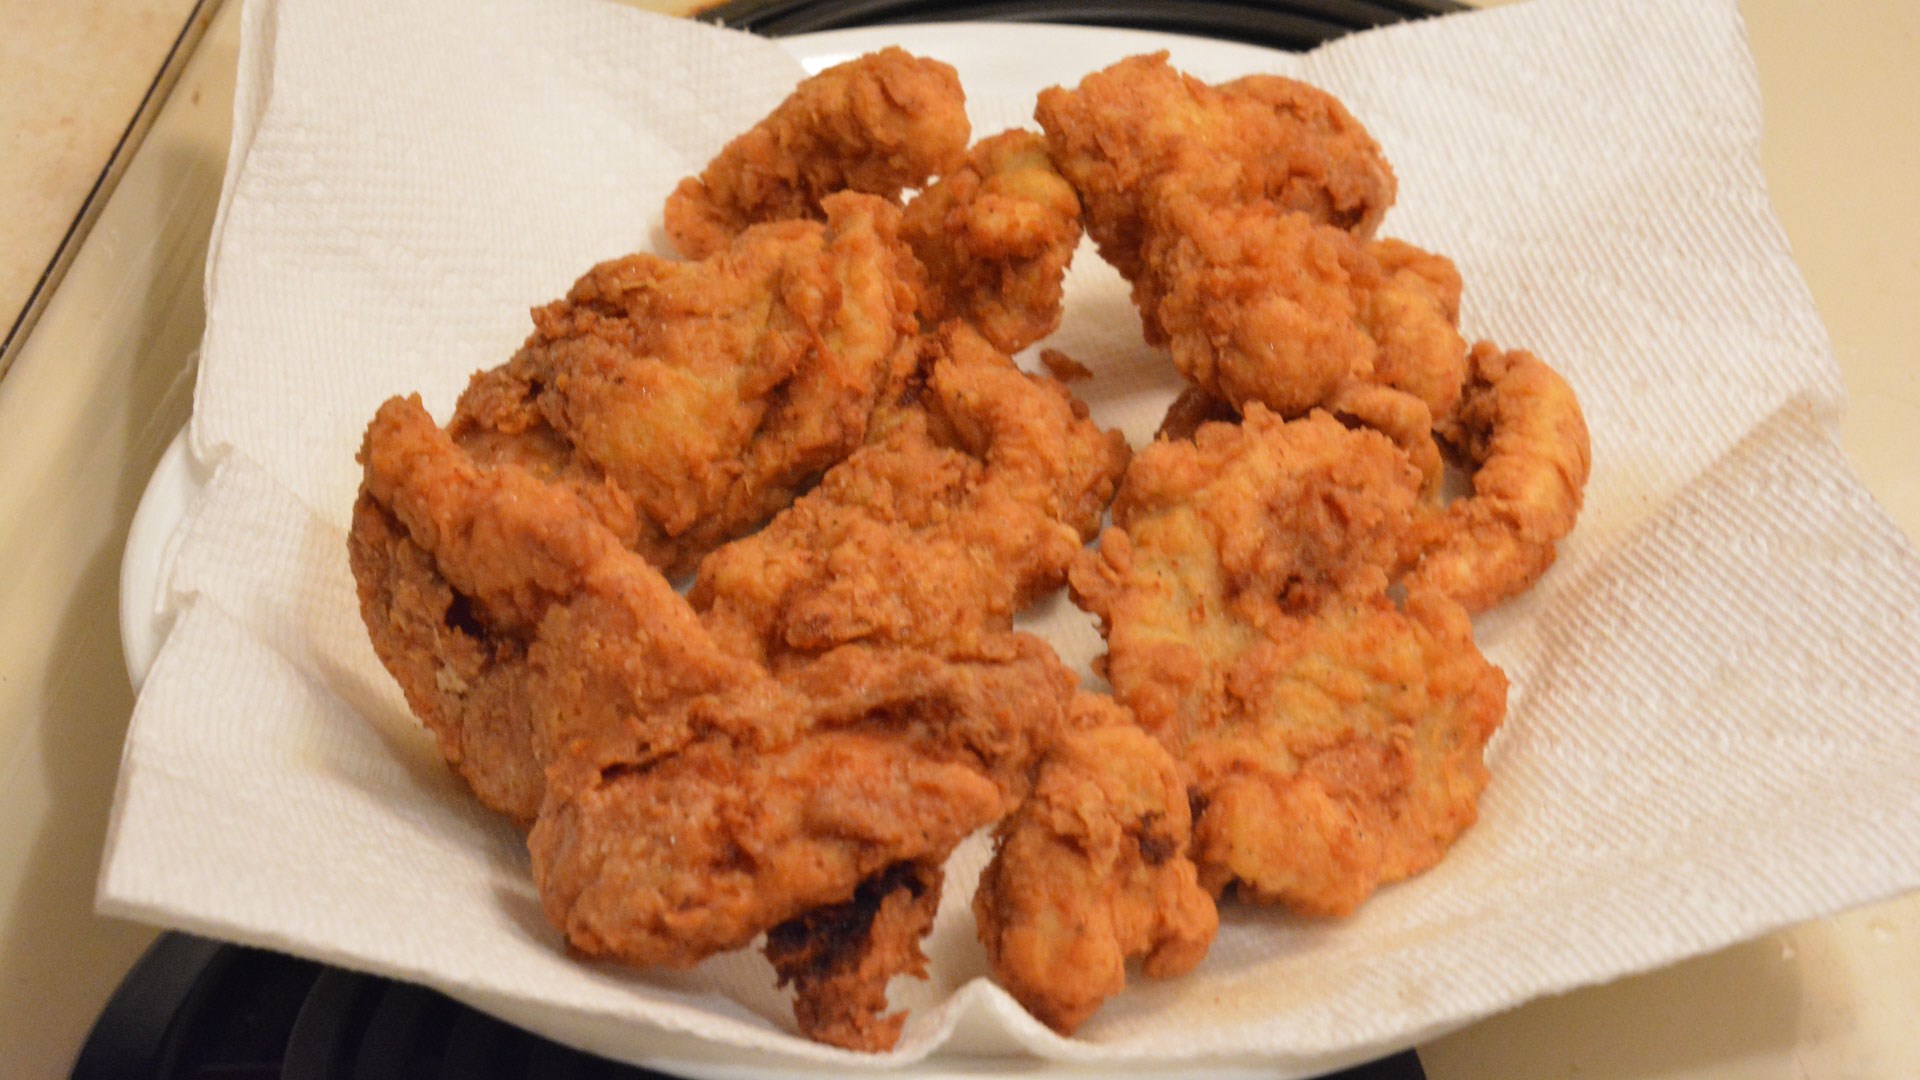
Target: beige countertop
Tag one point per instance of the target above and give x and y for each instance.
(77, 82)
(104, 379)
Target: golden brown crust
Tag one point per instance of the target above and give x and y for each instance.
(686, 797)
(996, 237)
(966, 506)
(1332, 737)
(1128, 133)
(1241, 215)
(1268, 306)
(687, 402)
(1092, 871)
(1520, 428)
(468, 573)
(1355, 759)
(466, 684)
(877, 124)
(706, 850)
(794, 749)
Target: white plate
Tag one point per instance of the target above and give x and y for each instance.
(987, 62)
(145, 611)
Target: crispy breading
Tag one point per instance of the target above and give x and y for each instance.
(685, 797)
(687, 402)
(1332, 737)
(1241, 215)
(666, 860)
(966, 506)
(1092, 871)
(1124, 131)
(877, 124)
(978, 488)
(1261, 305)
(996, 237)
(460, 568)
(791, 751)
(1521, 430)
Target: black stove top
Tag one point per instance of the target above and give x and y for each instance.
(193, 1009)
(1280, 24)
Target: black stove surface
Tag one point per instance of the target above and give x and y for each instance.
(1280, 24)
(194, 1009)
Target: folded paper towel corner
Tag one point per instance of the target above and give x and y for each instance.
(1715, 715)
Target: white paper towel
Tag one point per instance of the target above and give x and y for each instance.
(1715, 714)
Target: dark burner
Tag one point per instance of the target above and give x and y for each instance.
(193, 1009)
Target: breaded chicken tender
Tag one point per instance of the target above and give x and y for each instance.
(976, 491)
(1138, 131)
(667, 860)
(1353, 757)
(1092, 871)
(1520, 428)
(879, 124)
(1263, 305)
(687, 402)
(899, 757)
(463, 570)
(684, 799)
(1332, 737)
(996, 237)
(1241, 215)
(967, 505)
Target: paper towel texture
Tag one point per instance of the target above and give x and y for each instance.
(1715, 717)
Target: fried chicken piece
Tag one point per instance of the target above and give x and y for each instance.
(466, 684)
(996, 237)
(1355, 757)
(1291, 512)
(898, 757)
(459, 569)
(966, 506)
(1520, 426)
(1401, 417)
(687, 402)
(1241, 216)
(1412, 311)
(684, 798)
(1333, 738)
(1259, 304)
(877, 124)
(839, 959)
(1091, 871)
(1128, 134)
(974, 494)
(668, 860)
(840, 982)
(704, 851)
